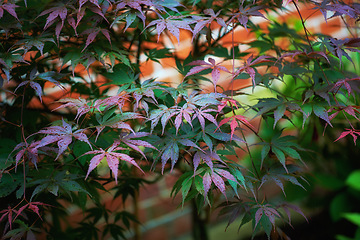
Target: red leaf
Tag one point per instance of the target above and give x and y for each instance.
(9, 213)
(352, 132)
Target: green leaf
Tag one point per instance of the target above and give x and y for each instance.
(279, 113)
(53, 188)
(73, 186)
(264, 152)
(82, 199)
(266, 224)
(280, 155)
(121, 75)
(341, 237)
(353, 217)
(239, 176)
(321, 113)
(199, 184)
(353, 180)
(39, 189)
(338, 206)
(291, 152)
(185, 188)
(9, 183)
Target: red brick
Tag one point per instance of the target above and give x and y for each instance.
(159, 233)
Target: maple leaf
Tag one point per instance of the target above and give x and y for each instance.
(336, 9)
(277, 105)
(248, 66)
(224, 103)
(62, 135)
(311, 54)
(134, 144)
(280, 146)
(117, 121)
(215, 73)
(163, 113)
(216, 178)
(243, 14)
(95, 2)
(202, 114)
(92, 33)
(207, 156)
(112, 159)
(182, 113)
(53, 183)
(276, 177)
(196, 99)
(37, 42)
(7, 60)
(266, 210)
(28, 150)
(173, 24)
(33, 85)
(145, 93)
(33, 206)
(9, 214)
(135, 4)
(211, 137)
(287, 206)
(235, 123)
(354, 133)
(170, 149)
(10, 8)
(59, 11)
(344, 83)
(47, 76)
(338, 47)
(202, 21)
(351, 110)
(82, 105)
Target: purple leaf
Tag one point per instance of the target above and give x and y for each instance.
(63, 143)
(91, 37)
(37, 89)
(225, 174)
(173, 24)
(219, 183)
(258, 216)
(10, 8)
(206, 183)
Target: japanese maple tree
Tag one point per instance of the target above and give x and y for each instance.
(80, 117)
